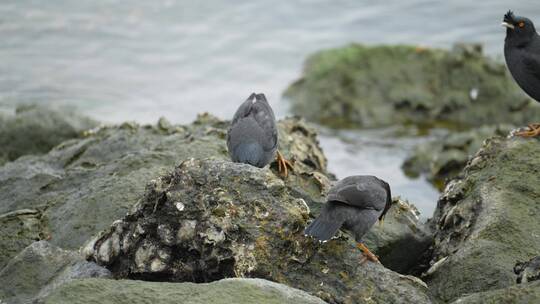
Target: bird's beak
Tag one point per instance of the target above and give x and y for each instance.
(508, 25)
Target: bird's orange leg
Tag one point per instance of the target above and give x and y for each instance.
(534, 130)
(283, 164)
(368, 255)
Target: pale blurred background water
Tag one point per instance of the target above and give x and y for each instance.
(139, 60)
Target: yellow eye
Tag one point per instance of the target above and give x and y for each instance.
(521, 24)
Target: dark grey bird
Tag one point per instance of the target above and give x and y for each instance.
(522, 54)
(253, 136)
(354, 203)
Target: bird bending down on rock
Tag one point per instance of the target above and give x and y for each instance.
(354, 203)
(253, 136)
(522, 54)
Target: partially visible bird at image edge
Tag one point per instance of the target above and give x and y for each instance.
(522, 55)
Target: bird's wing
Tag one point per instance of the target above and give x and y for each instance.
(244, 109)
(532, 64)
(365, 192)
(257, 109)
(331, 218)
(264, 116)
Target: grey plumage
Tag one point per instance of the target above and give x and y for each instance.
(354, 203)
(253, 137)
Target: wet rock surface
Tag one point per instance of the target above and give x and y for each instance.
(445, 157)
(40, 268)
(486, 220)
(362, 86)
(240, 291)
(37, 129)
(83, 185)
(212, 219)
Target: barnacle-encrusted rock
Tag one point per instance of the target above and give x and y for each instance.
(236, 220)
(371, 86)
(83, 185)
(487, 219)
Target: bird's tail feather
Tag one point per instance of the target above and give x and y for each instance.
(322, 230)
(249, 153)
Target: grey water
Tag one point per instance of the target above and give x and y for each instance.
(139, 60)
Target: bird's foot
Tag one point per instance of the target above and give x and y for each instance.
(368, 255)
(534, 130)
(283, 164)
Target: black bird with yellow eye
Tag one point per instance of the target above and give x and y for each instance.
(522, 54)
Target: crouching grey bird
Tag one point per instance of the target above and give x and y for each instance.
(353, 203)
(253, 137)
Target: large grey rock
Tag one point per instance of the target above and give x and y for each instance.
(83, 185)
(227, 291)
(212, 219)
(370, 86)
(39, 269)
(445, 157)
(521, 294)
(487, 219)
(36, 129)
(18, 229)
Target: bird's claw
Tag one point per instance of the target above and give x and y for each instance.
(368, 255)
(534, 130)
(283, 164)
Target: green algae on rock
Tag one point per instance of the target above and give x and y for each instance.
(372, 86)
(226, 291)
(37, 129)
(213, 219)
(445, 157)
(487, 219)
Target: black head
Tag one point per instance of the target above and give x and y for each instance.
(388, 200)
(519, 30)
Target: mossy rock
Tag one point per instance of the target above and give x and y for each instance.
(37, 129)
(487, 219)
(359, 86)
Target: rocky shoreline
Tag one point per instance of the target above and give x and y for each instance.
(135, 213)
